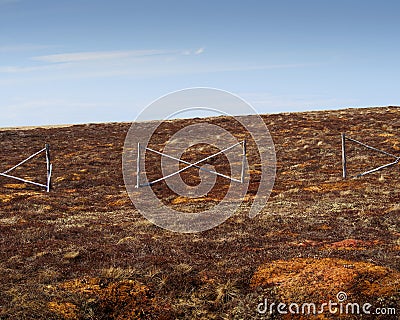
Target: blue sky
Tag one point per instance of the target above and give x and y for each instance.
(95, 60)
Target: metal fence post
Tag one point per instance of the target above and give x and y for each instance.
(190, 165)
(344, 164)
(49, 167)
(344, 161)
(244, 156)
(138, 166)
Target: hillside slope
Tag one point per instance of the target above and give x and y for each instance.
(82, 251)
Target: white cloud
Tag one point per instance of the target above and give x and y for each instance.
(193, 52)
(199, 51)
(18, 69)
(132, 63)
(101, 63)
(139, 67)
(98, 55)
(24, 47)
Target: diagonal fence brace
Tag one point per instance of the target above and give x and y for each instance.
(344, 158)
(49, 168)
(190, 165)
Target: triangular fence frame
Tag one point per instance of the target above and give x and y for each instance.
(49, 168)
(189, 165)
(344, 159)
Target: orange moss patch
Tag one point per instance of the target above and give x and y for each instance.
(183, 200)
(352, 244)
(14, 185)
(25, 193)
(75, 177)
(82, 286)
(394, 142)
(249, 197)
(124, 299)
(70, 190)
(385, 134)
(283, 232)
(254, 171)
(6, 197)
(318, 280)
(119, 202)
(65, 310)
(324, 227)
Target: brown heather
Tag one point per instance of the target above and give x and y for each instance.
(83, 251)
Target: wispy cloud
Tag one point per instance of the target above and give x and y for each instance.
(132, 63)
(199, 51)
(19, 69)
(24, 47)
(98, 55)
(97, 63)
(195, 52)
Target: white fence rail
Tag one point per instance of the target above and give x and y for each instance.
(49, 168)
(189, 165)
(344, 157)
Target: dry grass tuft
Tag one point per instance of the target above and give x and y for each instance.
(183, 268)
(225, 292)
(117, 273)
(71, 255)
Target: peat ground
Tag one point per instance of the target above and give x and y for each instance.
(83, 251)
